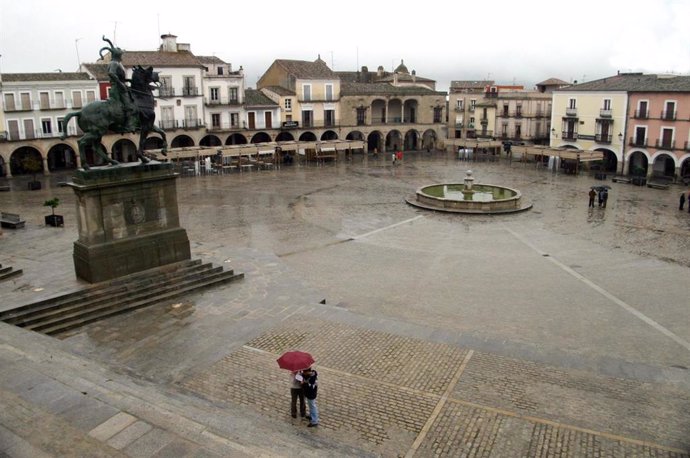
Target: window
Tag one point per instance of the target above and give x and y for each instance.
(642, 109)
(307, 118)
(215, 120)
(518, 111)
(166, 89)
(306, 92)
(234, 119)
(572, 103)
(460, 104)
(288, 104)
(233, 94)
(329, 92)
(607, 104)
(329, 117)
(473, 103)
(215, 94)
(438, 111)
(61, 124)
(76, 99)
(46, 126)
(220, 70)
(90, 96)
(167, 117)
(505, 109)
(45, 100)
(59, 100)
(188, 86)
(518, 131)
(9, 102)
(26, 101)
(190, 117)
(669, 113)
(361, 116)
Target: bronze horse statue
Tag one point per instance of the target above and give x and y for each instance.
(128, 109)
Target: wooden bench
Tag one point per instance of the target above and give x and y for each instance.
(11, 220)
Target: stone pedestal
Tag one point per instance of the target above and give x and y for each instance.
(128, 220)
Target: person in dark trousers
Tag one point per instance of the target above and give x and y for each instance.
(311, 387)
(682, 201)
(604, 197)
(297, 392)
(601, 197)
(592, 195)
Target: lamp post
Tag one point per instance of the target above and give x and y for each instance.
(76, 46)
(620, 138)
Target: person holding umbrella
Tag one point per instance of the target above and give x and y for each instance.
(296, 362)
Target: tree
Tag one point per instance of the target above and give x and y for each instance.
(52, 203)
(32, 165)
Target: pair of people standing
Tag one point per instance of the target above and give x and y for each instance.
(304, 384)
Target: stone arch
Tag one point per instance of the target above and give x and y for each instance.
(329, 135)
(375, 142)
(210, 140)
(62, 157)
(663, 164)
(638, 163)
(153, 142)
(411, 111)
(378, 111)
(307, 137)
(395, 111)
(355, 135)
(261, 137)
(411, 140)
(3, 167)
(685, 167)
(429, 139)
(18, 156)
(182, 141)
(236, 139)
(394, 140)
(124, 150)
(610, 161)
(285, 137)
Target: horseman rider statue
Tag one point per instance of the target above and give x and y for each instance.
(119, 91)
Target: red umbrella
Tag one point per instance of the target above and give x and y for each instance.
(295, 360)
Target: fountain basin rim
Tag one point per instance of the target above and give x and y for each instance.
(517, 195)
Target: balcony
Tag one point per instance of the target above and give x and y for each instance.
(484, 121)
(459, 109)
(459, 125)
(638, 141)
(602, 138)
(224, 126)
(518, 113)
(18, 107)
(571, 112)
(641, 114)
(189, 91)
(485, 133)
(192, 123)
(168, 124)
(668, 115)
(665, 144)
(471, 109)
(221, 101)
(570, 136)
(164, 91)
(606, 113)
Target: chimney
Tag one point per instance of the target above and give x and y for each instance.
(169, 43)
(414, 76)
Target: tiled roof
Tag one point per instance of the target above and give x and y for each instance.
(481, 84)
(254, 98)
(54, 76)
(306, 70)
(160, 59)
(553, 82)
(99, 71)
(211, 60)
(280, 90)
(635, 82)
(383, 88)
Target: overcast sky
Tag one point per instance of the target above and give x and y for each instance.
(519, 41)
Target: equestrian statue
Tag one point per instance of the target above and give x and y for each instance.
(127, 110)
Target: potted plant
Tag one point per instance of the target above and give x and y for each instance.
(33, 166)
(53, 220)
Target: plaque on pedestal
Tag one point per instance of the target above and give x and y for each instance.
(128, 220)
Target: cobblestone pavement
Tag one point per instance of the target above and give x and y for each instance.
(561, 331)
(405, 396)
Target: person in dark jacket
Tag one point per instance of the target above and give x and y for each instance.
(311, 387)
(682, 201)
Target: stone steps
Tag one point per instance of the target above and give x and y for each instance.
(8, 272)
(73, 310)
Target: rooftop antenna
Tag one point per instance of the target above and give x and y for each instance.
(158, 22)
(115, 33)
(332, 66)
(76, 46)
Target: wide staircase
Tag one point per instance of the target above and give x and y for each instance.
(70, 311)
(8, 272)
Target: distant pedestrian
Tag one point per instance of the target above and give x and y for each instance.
(592, 195)
(311, 387)
(601, 197)
(682, 201)
(394, 157)
(297, 392)
(604, 197)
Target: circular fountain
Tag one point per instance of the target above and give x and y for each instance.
(468, 197)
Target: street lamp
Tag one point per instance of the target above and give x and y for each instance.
(76, 46)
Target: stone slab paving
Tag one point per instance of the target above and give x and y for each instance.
(395, 395)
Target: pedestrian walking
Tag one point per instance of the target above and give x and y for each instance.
(601, 197)
(604, 197)
(394, 157)
(682, 201)
(297, 392)
(311, 387)
(592, 195)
